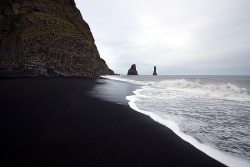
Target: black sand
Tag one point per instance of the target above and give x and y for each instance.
(55, 122)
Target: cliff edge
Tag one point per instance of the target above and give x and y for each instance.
(47, 37)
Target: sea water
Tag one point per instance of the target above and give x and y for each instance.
(210, 112)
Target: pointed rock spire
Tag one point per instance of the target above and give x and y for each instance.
(154, 73)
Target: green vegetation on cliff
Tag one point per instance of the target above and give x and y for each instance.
(35, 24)
(47, 37)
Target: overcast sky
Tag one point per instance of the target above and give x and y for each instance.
(177, 36)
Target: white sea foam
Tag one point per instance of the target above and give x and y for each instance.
(130, 80)
(209, 113)
(225, 91)
(220, 156)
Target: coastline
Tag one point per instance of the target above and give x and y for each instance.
(56, 122)
(223, 157)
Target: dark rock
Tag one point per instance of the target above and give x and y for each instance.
(111, 72)
(132, 70)
(47, 38)
(104, 68)
(154, 73)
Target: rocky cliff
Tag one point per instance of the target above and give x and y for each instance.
(47, 37)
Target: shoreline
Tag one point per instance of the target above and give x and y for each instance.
(216, 154)
(55, 122)
(219, 155)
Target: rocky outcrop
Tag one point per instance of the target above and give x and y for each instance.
(154, 73)
(132, 70)
(104, 69)
(47, 37)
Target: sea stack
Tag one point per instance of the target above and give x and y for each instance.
(154, 73)
(47, 38)
(132, 70)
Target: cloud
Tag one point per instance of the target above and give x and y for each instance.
(178, 36)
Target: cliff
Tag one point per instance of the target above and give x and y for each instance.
(47, 37)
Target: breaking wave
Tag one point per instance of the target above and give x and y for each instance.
(211, 113)
(225, 91)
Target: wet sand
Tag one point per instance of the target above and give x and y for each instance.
(56, 122)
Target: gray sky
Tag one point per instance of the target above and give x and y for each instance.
(178, 36)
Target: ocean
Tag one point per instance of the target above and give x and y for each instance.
(210, 112)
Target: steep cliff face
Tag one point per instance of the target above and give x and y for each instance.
(47, 37)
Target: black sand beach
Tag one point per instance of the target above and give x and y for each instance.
(55, 122)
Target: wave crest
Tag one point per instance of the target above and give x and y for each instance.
(226, 91)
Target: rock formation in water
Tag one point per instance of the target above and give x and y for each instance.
(47, 37)
(154, 73)
(132, 70)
